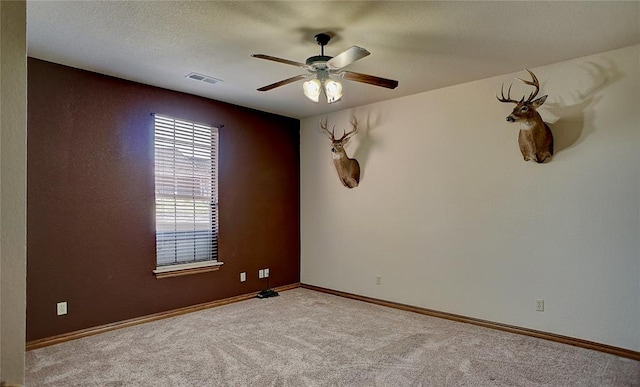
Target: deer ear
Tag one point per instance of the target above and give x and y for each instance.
(346, 140)
(539, 101)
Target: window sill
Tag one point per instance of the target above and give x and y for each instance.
(186, 269)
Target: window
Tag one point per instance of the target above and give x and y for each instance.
(186, 196)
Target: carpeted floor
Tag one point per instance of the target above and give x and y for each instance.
(307, 338)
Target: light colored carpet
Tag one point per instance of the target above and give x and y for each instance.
(307, 338)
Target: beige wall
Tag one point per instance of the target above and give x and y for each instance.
(13, 125)
(452, 218)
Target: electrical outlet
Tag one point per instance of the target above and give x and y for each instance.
(61, 308)
(266, 272)
(243, 276)
(378, 280)
(261, 273)
(540, 305)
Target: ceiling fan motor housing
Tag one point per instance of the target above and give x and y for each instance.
(318, 61)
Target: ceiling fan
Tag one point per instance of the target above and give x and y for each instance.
(320, 69)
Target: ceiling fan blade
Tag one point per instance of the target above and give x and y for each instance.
(279, 60)
(283, 82)
(370, 79)
(347, 57)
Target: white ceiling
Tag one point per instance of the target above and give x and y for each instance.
(423, 45)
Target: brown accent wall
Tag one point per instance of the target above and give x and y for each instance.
(90, 200)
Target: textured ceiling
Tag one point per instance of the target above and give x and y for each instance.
(423, 45)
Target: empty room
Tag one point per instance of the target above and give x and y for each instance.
(320, 193)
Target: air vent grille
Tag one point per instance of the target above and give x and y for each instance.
(203, 78)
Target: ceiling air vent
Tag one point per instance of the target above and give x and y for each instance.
(203, 78)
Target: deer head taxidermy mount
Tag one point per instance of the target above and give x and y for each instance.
(348, 169)
(535, 137)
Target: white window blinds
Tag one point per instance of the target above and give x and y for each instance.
(186, 191)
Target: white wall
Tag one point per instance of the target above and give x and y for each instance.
(453, 219)
(13, 162)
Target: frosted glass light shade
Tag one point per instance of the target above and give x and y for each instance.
(333, 90)
(312, 89)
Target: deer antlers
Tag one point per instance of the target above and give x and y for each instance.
(345, 135)
(534, 82)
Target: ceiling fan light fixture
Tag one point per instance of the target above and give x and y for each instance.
(320, 67)
(333, 90)
(311, 89)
